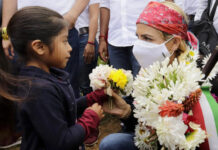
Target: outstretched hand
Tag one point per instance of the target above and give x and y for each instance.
(120, 107)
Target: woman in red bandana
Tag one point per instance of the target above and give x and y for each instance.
(162, 31)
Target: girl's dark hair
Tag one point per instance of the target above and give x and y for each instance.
(33, 23)
(9, 83)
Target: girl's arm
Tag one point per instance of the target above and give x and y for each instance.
(97, 96)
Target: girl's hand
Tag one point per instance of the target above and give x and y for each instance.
(98, 109)
(120, 107)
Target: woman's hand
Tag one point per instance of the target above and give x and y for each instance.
(120, 107)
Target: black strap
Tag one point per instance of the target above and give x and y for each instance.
(208, 4)
(211, 16)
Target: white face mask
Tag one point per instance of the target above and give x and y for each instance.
(147, 53)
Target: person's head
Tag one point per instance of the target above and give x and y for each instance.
(40, 35)
(163, 28)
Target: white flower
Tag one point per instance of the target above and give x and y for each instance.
(141, 135)
(128, 88)
(148, 115)
(171, 131)
(195, 138)
(213, 73)
(99, 79)
(189, 56)
(162, 81)
(99, 75)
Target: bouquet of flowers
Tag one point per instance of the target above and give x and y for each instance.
(164, 95)
(104, 76)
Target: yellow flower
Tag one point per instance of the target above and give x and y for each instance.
(196, 137)
(119, 78)
(192, 53)
(187, 62)
(191, 136)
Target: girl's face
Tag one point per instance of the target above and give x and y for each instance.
(60, 50)
(150, 34)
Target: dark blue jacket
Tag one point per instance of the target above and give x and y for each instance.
(49, 114)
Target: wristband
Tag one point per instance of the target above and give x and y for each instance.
(102, 36)
(91, 43)
(4, 34)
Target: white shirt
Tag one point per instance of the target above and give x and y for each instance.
(202, 5)
(61, 6)
(188, 6)
(83, 19)
(123, 17)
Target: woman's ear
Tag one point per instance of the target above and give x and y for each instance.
(39, 47)
(175, 43)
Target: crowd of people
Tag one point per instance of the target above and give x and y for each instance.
(50, 47)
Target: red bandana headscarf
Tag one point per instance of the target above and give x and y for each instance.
(165, 19)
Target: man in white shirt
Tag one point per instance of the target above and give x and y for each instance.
(87, 26)
(70, 9)
(122, 32)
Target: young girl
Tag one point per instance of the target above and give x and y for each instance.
(49, 115)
